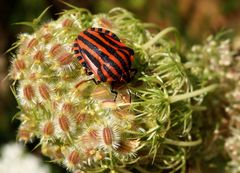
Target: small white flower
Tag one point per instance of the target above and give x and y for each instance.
(65, 126)
(27, 93)
(109, 136)
(14, 160)
(102, 21)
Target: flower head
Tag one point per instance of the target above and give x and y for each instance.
(103, 127)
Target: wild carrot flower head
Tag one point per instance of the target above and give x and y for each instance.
(80, 125)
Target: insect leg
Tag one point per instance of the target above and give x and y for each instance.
(88, 71)
(129, 92)
(97, 82)
(133, 72)
(113, 91)
(86, 80)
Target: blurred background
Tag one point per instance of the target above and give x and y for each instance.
(195, 19)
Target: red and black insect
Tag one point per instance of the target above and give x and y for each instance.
(103, 54)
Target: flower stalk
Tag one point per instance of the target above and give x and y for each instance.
(176, 98)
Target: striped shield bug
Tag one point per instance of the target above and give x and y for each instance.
(102, 54)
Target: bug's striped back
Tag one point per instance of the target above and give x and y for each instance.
(103, 53)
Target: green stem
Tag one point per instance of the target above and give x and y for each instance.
(152, 130)
(150, 25)
(183, 143)
(111, 160)
(158, 36)
(189, 65)
(173, 99)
